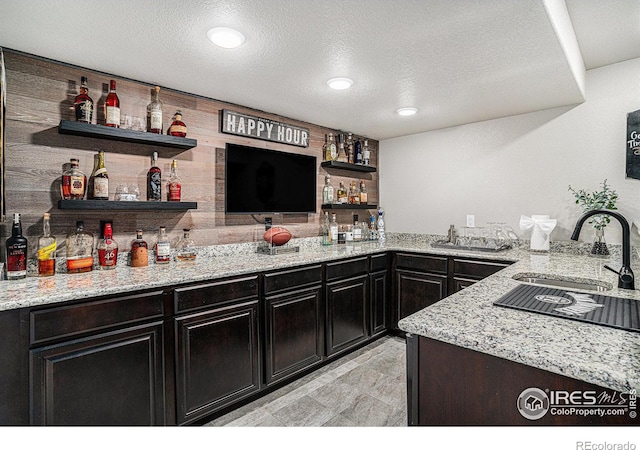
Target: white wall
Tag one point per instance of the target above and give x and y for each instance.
(500, 169)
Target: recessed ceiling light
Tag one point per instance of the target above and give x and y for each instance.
(225, 37)
(340, 83)
(409, 111)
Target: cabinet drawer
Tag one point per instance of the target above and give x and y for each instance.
(294, 278)
(348, 268)
(477, 269)
(200, 296)
(73, 320)
(422, 263)
(379, 262)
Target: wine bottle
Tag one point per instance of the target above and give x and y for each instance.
(100, 180)
(154, 113)
(154, 180)
(112, 107)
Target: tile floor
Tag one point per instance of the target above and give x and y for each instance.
(366, 388)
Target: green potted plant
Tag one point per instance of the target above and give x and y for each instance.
(603, 199)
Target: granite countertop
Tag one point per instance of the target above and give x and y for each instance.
(597, 354)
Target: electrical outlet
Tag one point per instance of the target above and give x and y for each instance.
(471, 220)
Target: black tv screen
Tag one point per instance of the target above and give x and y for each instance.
(267, 181)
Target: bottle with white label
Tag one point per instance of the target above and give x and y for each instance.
(100, 180)
(154, 113)
(334, 229)
(163, 247)
(357, 231)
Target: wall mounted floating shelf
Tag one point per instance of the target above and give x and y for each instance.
(105, 205)
(347, 166)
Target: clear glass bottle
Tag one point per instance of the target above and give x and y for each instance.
(139, 251)
(154, 180)
(177, 127)
(350, 150)
(357, 231)
(47, 246)
(162, 247)
(354, 195)
(366, 153)
(100, 180)
(154, 113)
(381, 235)
(327, 191)
(343, 195)
(358, 151)
(364, 195)
(79, 250)
(342, 154)
(373, 231)
(186, 247)
(107, 249)
(74, 182)
(174, 185)
(331, 153)
(83, 104)
(335, 228)
(112, 107)
(16, 251)
(326, 230)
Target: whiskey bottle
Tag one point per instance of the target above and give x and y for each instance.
(327, 191)
(366, 153)
(79, 250)
(163, 247)
(334, 227)
(358, 151)
(74, 182)
(83, 104)
(154, 113)
(364, 195)
(343, 195)
(174, 185)
(326, 230)
(177, 128)
(107, 249)
(47, 246)
(350, 149)
(16, 251)
(354, 195)
(139, 251)
(112, 107)
(186, 247)
(100, 180)
(154, 180)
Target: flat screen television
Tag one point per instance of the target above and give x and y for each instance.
(259, 181)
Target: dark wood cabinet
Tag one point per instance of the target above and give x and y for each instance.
(98, 363)
(294, 331)
(379, 294)
(417, 290)
(217, 354)
(465, 271)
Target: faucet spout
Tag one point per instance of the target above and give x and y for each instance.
(625, 275)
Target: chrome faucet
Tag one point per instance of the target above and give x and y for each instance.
(625, 274)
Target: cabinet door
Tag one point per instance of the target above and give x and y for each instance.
(294, 332)
(415, 291)
(379, 288)
(460, 283)
(114, 378)
(217, 359)
(347, 313)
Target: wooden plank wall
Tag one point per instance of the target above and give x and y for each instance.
(40, 93)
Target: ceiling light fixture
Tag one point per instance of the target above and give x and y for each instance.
(340, 84)
(225, 37)
(408, 111)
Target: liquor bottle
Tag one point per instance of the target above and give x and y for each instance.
(381, 235)
(83, 104)
(364, 195)
(354, 195)
(186, 247)
(112, 107)
(162, 247)
(334, 227)
(325, 150)
(327, 191)
(100, 180)
(16, 251)
(79, 250)
(357, 231)
(366, 154)
(342, 155)
(358, 151)
(348, 235)
(174, 185)
(107, 249)
(74, 182)
(177, 128)
(331, 153)
(343, 195)
(373, 232)
(139, 251)
(154, 113)
(47, 246)
(326, 230)
(154, 180)
(350, 149)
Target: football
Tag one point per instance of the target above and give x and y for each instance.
(277, 236)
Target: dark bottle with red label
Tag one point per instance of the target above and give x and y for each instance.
(83, 104)
(16, 251)
(154, 180)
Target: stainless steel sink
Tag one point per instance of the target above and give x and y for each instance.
(561, 282)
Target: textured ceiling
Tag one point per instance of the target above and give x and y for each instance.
(457, 61)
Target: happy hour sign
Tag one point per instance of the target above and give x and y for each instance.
(265, 129)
